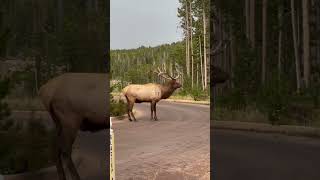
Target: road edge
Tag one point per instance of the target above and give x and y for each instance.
(122, 117)
(267, 128)
(187, 101)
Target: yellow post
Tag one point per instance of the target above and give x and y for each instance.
(112, 154)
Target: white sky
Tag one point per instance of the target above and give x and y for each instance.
(143, 22)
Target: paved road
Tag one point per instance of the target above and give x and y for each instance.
(257, 156)
(175, 147)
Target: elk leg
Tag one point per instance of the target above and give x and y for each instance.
(69, 137)
(155, 111)
(134, 118)
(58, 152)
(130, 111)
(128, 108)
(59, 165)
(151, 105)
(72, 167)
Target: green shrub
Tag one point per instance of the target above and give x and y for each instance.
(273, 100)
(198, 94)
(117, 107)
(234, 100)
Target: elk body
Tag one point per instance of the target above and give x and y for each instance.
(151, 92)
(75, 101)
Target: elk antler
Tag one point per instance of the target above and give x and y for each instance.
(161, 73)
(165, 75)
(178, 71)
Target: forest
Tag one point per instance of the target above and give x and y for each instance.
(47, 38)
(271, 49)
(189, 56)
(39, 40)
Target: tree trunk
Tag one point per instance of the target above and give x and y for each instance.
(252, 23)
(187, 42)
(201, 66)
(197, 75)
(191, 47)
(264, 40)
(247, 16)
(279, 42)
(306, 43)
(60, 15)
(233, 55)
(204, 47)
(294, 33)
(37, 72)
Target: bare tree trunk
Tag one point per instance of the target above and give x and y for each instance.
(201, 66)
(36, 80)
(264, 40)
(294, 33)
(187, 41)
(191, 48)
(306, 43)
(247, 16)
(279, 42)
(197, 74)
(37, 72)
(252, 23)
(60, 15)
(204, 47)
(233, 56)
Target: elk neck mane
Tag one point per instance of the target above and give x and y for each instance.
(166, 90)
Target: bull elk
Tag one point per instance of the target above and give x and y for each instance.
(75, 101)
(151, 92)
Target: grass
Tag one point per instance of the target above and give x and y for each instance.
(251, 114)
(175, 96)
(248, 114)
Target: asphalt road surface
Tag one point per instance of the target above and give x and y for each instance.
(173, 148)
(256, 156)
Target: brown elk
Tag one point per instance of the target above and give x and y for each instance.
(151, 92)
(75, 101)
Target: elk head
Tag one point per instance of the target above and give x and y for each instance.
(172, 80)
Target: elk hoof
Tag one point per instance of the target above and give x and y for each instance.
(156, 119)
(130, 119)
